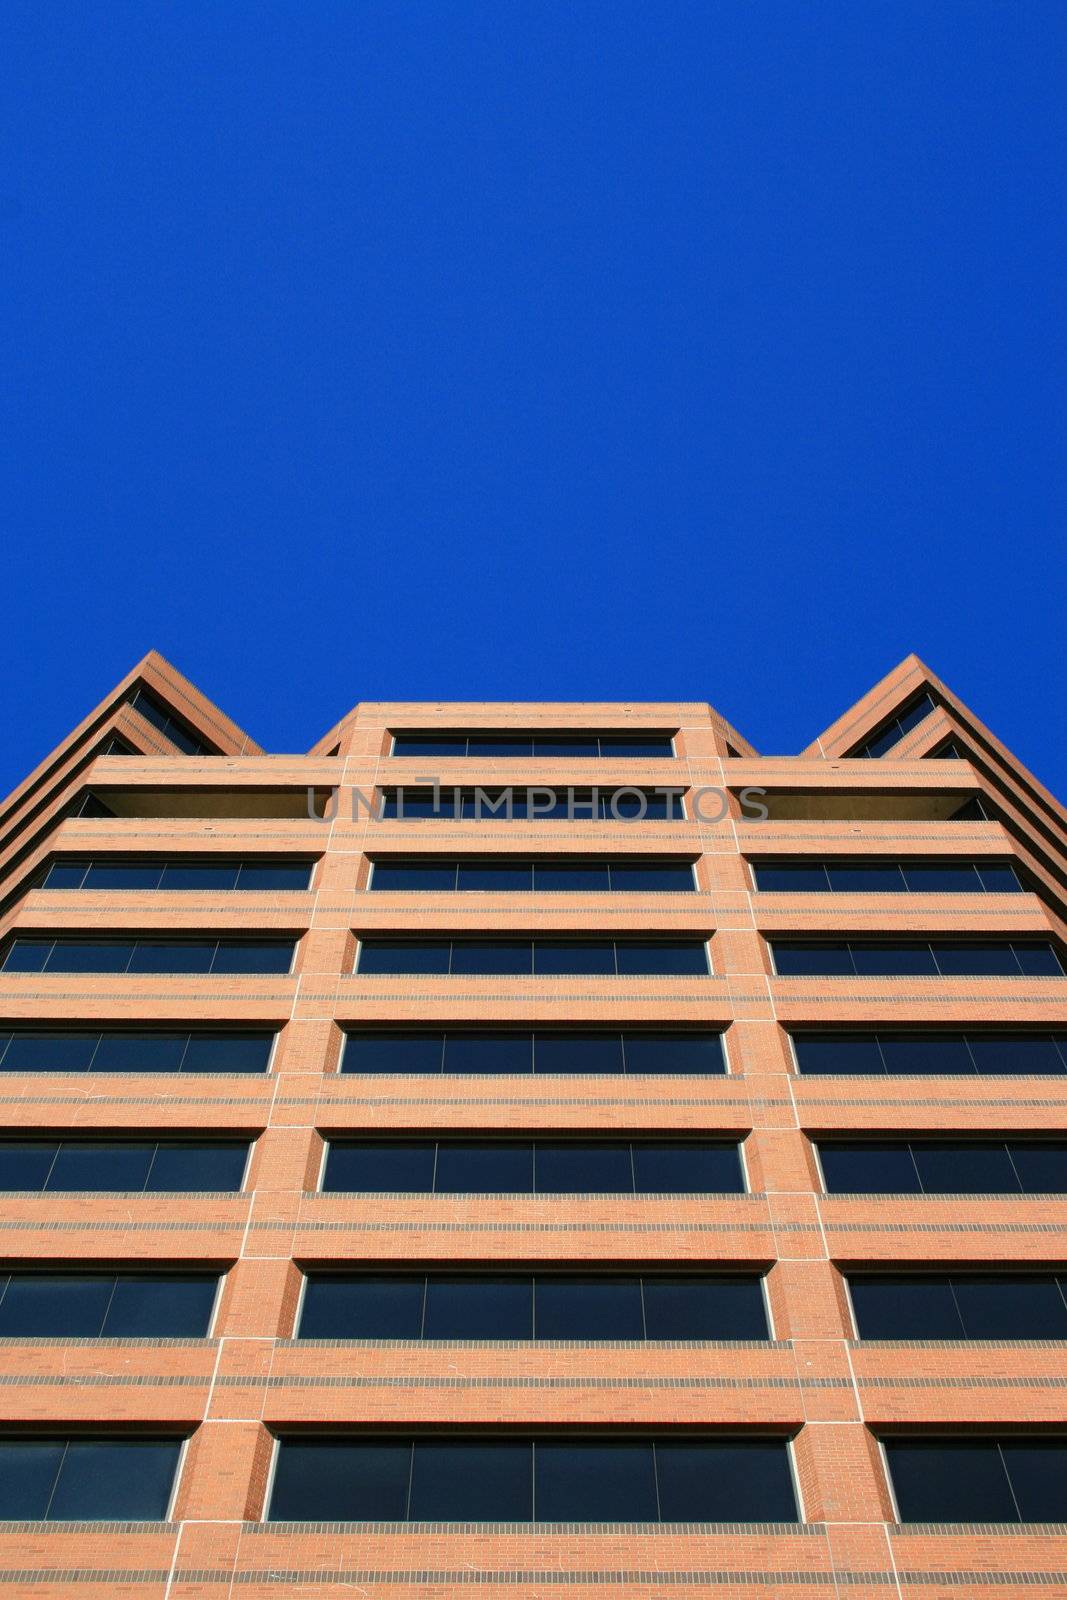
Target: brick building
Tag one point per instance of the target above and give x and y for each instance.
(533, 1150)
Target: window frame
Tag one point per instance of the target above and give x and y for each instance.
(530, 863)
(92, 1269)
(623, 1034)
(533, 940)
(901, 1431)
(666, 1434)
(945, 1273)
(794, 1032)
(534, 1272)
(132, 943)
(775, 942)
(20, 1030)
(95, 1434)
(63, 858)
(549, 735)
(902, 863)
(533, 1139)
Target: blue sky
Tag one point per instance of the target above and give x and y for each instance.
(508, 350)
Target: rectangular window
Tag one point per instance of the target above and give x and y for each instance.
(118, 1050)
(540, 957)
(122, 1165)
(127, 872)
(548, 1305)
(995, 1305)
(1002, 958)
(676, 1477)
(114, 1478)
(915, 1054)
(609, 746)
(512, 1166)
(467, 1051)
(505, 875)
(149, 955)
(944, 1166)
(537, 805)
(98, 1305)
(963, 1478)
(890, 877)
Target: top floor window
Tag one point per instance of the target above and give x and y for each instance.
(169, 725)
(505, 743)
(893, 731)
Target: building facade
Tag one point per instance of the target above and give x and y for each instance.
(533, 1150)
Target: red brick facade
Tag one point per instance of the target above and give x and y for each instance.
(231, 1392)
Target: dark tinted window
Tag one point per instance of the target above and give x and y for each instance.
(471, 1480)
(868, 1167)
(70, 1305)
(593, 1480)
(676, 1167)
(1011, 1306)
(801, 959)
(893, 877)
(705, 1308)
(857, 877)
(950, 1480)
(542, 744)
(390, 875)
(103, 1165)
(478, 1308)
(892, 732)
(893, 960)
(180, 873)
(669, 877)
(664, 1053)
(641, 1053)
(472, 1166)
(955, 1479)
(345, 1307)
(407, 956)
(491, 1166)
(513, 874)
(608, 1478)
(494, 877)
(341, 1480)
(790, 877)
(108, 1479)
(944, 1166)
(734, 1480)
(583, 1168)
(925, 1053)
(546, 957)
(380, 1166)
(1000, 958)
(589, 1308)
(667, 957)
(564, 957)
(177, 731)
(393, 1052)
(149, 955)
(40, 1050)
(525, 1306)
(478, 958)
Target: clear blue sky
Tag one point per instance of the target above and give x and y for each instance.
(376, 350)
